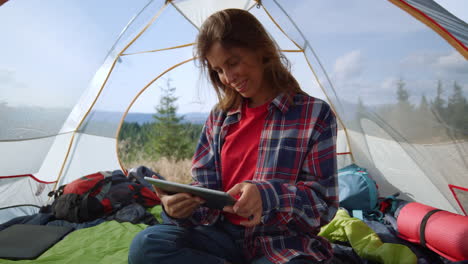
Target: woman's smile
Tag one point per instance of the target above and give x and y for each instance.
(241, 87)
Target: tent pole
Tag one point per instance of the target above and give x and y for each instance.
(134, 100)
(333, 108)
(100, 91)
(318, 81)
(81, 122)
(144, 29)
(149, 51)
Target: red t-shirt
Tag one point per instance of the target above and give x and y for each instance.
(240, 150)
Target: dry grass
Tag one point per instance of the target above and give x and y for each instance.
(178, 171)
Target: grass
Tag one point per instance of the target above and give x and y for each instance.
(177, 171)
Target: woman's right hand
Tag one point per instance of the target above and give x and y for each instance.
(179, 205)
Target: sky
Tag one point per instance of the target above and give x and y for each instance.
(50, 51)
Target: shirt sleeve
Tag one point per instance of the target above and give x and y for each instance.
(204, 173)
(312, 200)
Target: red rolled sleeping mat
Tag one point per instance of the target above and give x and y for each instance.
(443, 232)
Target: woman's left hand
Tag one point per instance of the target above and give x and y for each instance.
(249, 204)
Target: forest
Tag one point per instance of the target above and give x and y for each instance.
(168, 143)
(440, 119)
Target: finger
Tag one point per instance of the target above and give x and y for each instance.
(228, 209)
(247, 202)
(186, 211)
(182, 209)
(243, 212)
(253, 206)
(238, 190)
(154, 187)
(179, 199)
(235, 190)
(160, 193)
(170, 201)
(199, 200)
(247, 208)
(251, 209)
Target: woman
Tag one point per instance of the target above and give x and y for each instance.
(267, 144)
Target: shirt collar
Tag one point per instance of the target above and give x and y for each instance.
(235, 110)
(280, 101)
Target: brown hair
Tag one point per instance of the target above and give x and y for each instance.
(239, 28)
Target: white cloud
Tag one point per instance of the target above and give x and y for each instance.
(452, 62)
(348, 66)
(444, 65)
(388, 84)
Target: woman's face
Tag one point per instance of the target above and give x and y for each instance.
(242, 70)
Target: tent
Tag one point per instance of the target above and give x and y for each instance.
(395, 72)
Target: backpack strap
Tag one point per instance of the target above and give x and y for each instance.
(106, 185)
(57, 192)
(422, 227)
(107, 182)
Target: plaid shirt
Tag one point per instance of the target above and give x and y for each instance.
(296, 174)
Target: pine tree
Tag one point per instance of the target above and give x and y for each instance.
(438, 105)
(423, 105)
(168, 137)
(404, 106)
(402, 116)
(402, 93)
(457, 111)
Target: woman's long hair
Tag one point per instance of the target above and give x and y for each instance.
(239, 28)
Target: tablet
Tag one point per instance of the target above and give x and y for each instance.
(214, 199)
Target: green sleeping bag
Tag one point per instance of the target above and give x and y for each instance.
(364, 241)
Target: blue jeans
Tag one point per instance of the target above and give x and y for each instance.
(203, 244)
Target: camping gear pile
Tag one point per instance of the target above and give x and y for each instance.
(394, 72)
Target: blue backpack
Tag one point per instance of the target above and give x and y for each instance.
(357, 191)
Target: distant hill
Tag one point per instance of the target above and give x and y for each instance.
(141, 118)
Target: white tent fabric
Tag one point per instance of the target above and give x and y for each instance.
(452, 24)
(353, 55)
(196, 15)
